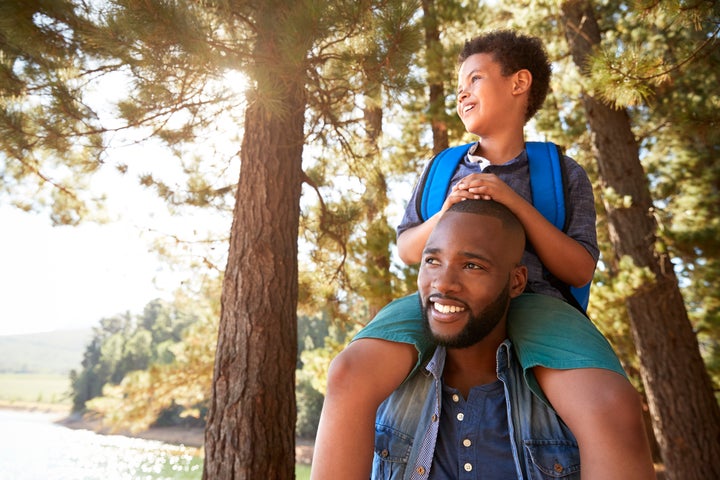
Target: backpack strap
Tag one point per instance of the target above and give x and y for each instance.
(548, 185)
(434, 185)
(546, 181)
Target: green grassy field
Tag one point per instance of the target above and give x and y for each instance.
(35, 388)
(302, 472)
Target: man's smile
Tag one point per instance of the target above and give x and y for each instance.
(447, 308)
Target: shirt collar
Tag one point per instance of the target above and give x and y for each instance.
(480, 160)
(437, 363)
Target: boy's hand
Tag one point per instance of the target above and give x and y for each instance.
(456, 195)
(484, 186)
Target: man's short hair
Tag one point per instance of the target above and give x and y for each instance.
(491, 208)
(515, 52)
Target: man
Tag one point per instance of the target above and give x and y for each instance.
(503, 78)
(470, 413)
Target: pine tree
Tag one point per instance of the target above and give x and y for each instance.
(658, 316)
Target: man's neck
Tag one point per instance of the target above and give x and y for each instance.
(476, 365)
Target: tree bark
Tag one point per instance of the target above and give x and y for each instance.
(378, 287)
(433, 57)
(250, 432)
(685, 414)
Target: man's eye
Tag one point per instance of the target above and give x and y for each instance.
(430, 261)
(474, 266)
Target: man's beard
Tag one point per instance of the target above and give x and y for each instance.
(478, 326)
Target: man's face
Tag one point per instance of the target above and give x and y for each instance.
(468, 273)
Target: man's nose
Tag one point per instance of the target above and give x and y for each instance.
(445, 280)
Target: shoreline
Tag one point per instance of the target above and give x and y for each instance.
(193, 438)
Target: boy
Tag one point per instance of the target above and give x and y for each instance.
(502, 81)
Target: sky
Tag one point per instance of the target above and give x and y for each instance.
(57, 278)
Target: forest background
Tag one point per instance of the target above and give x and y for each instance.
(334, 108)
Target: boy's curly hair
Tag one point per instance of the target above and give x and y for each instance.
(515, 52)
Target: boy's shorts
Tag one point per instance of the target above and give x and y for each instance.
(545, 331)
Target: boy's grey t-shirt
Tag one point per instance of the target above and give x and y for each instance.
(579, 206)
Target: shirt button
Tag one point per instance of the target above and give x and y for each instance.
(434, 417)
(467, 467)
(456, 397)
(558, 468)
(460, 417)
(420, 470)
(384, 453)
(467, 442)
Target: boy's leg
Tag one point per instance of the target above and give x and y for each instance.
(603, 410)
(359, 379)
(579, 373)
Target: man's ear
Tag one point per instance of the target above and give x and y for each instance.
(518, 280)
(522, 79)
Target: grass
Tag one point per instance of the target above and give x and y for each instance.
(302, 472)
(35, 388)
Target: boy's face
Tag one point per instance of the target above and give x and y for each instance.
(468, 272)
(486, 100)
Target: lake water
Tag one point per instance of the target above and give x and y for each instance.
(32, 447)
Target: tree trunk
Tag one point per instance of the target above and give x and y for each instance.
(378, 283)
(436, 73)
(686, 417)
(250, 431)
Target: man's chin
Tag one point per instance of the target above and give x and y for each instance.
(446, 332)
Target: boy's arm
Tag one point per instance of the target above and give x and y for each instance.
(412, 241)
(563, 256)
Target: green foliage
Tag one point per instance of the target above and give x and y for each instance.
(309, 405)
(311, 377)
(50, 142)
(124, 344)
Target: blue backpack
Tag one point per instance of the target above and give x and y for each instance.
(548, 194)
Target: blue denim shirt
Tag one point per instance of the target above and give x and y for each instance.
(406, 426)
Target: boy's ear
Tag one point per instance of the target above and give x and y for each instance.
(522, 81)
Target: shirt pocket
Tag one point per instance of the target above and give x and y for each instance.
(392, 451)
(552, 459)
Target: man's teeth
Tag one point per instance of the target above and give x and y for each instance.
(448, 308)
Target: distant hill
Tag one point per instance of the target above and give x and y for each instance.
(50, 352)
